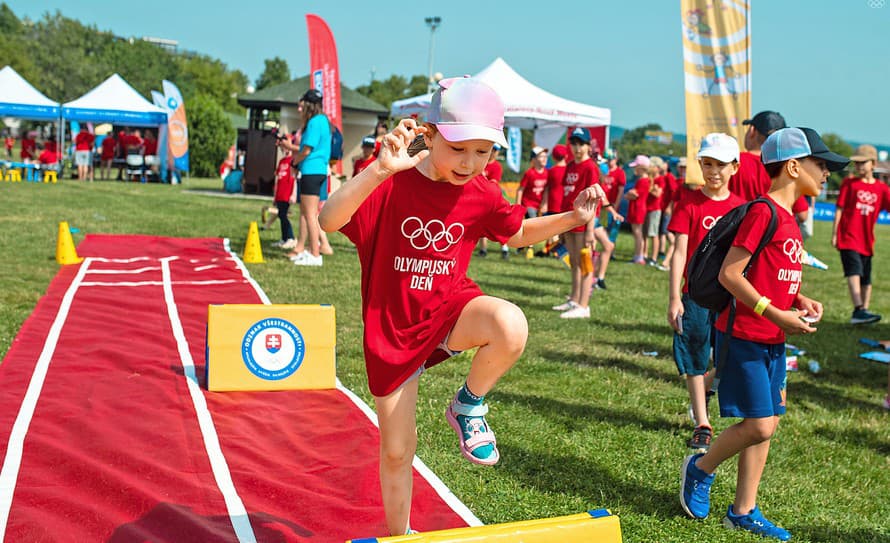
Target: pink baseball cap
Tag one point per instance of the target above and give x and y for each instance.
(640, 160)
(464, 108)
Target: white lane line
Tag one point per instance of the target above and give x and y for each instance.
(234, 505)
(440, 487)
(115, 272)
(13, 460)
(204, 268)
(157, 283)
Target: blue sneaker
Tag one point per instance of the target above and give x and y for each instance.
(695, 488)
(756, 523)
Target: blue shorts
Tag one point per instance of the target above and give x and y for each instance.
(692, 348)
(752, 380)
(665, 221)
(596, 223)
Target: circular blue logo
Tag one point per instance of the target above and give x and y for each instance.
(273, 349)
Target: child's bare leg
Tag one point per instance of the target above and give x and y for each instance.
(751, 463)
(639, 248)
(855, 290)
(574, 243)
(736, 438)
(499, 329)
(605, 254)
(396, 414)
(866, 295)
(695, 385)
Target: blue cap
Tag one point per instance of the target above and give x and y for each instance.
(580, 133)
(369, 141)
(787, 143)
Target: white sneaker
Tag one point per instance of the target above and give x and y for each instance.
(569, 304)
(279, 243)
(309, 260)
(576, 312)
(298, 256)
(289, 244)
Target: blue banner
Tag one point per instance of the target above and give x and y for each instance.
(514, 150)
(824, 211)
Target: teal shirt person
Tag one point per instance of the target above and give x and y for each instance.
(317, 136)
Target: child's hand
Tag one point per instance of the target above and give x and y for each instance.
(792, 324)
(586, 202)
(631, 195)
(393, 156)
(810, 309)
(675, 314)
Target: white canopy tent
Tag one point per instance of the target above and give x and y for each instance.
(21, 100)
(526, 105)
(114, 101)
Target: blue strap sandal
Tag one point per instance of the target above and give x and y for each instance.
(468, 421)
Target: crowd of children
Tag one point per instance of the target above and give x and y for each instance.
(428, 210)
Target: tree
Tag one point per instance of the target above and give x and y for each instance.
(210, 135)
(633, 142)
(275, 72)
(836, 144)
(387, 91)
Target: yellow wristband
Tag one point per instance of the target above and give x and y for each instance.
(761, 305)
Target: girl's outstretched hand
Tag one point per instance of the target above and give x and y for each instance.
(393, 156)
(586, 202)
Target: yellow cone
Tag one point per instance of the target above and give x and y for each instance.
(65, 251)
(253, 252)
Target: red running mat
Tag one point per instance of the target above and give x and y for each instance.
(109, 436)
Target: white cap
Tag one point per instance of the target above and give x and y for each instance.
(720, 146)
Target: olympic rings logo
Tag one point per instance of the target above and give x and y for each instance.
(433, 234)
(793, 249)
(876, 4)
(866, 197)
(708, 222)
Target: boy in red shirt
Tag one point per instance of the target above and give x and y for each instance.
(853, 233)
(83, 153)
(109, 149)
(769, 305)
(362, 162)
(752, 180)
(415, 222)
(613, 183)
(29, 146)
(9, 141)
(530, 194)
(719, 159)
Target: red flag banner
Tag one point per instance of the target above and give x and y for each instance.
(323, 67)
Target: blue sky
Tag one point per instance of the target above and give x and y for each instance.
(821, 63)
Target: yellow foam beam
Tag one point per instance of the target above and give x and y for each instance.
(596, 526)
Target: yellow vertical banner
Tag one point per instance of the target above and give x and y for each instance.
(717, 69)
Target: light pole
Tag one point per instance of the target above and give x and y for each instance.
(433, 23)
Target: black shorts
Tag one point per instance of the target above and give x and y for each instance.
(856, 264)
(310, 185)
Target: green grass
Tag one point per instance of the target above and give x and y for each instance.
(584, 420)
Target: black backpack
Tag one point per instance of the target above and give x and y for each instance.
(704, 266)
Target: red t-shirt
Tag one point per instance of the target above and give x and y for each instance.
(415, 238)
(636, 209)
(533, 184)
(612, 183)
(9, 143)
(859, 203)
(361, 163)
(493, 171)
(579, 176)
(83, 141)
(48, 157)
(555, 177)
(150, 147)
(670, 189)
(108, 145)
(695, 217)
(653, 203)
(28, 147)
(285, 177)
(776, 273)
(751, 180)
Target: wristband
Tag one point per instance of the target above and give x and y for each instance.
(761, 305)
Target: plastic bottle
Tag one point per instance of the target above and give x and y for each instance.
(813, 366)
(586, 261)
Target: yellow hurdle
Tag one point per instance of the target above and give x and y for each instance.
(595, 526)
(50, 176)
(13, 174)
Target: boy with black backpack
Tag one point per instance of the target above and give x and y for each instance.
(769, 305)
(693, 218)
